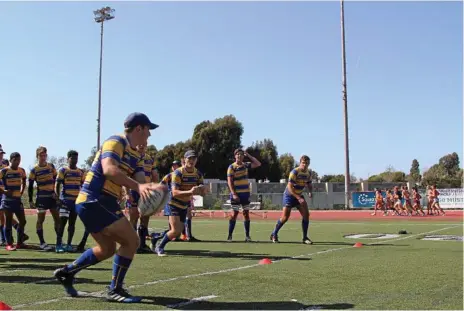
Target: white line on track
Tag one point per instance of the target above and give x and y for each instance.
(191, 301)
(178, 278)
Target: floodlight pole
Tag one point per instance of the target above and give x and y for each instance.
(101, 15)
(345, 106)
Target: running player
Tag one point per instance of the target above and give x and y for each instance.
(416, 201)
(44, 174)
(14, 183)
(378, 201)
(71, 178)
(98, 208)
(299, 178)
(397, 196)
(429, 201)
(186, 182)
(239, 186)
(407, 201)
(436, 202)
(166, 181)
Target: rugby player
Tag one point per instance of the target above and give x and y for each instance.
(237, 180)
(186, 182)
(98, 208)
(14, 183)
(299, 178)
(71, 178)
(44, 174)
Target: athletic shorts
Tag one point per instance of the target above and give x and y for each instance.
(290, 201)
(44, 204)
(98, 214)
(176, 211)
(67, 208)
(13, 206)
(243, 202)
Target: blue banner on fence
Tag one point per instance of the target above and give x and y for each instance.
(364, 199)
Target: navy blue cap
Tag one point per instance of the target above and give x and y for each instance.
(138, 118)
(190, 154)
(176, 162)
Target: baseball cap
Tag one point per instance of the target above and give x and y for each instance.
(190, 154)
(176, 162)
(138, 118)
(1, 150)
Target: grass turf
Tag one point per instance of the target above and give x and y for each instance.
(400, 273)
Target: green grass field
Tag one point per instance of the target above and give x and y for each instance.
(400, 273)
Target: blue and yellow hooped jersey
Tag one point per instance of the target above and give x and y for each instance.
(239, 173)
(12, 180)
(148, 167)
(3, 164)
(167, 181)
(299, 179)
(184, 181)
(129, 161)
(45, 177)
(71, 180)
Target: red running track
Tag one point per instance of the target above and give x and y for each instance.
(365, 215)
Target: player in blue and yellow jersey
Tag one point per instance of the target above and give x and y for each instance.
(299, 178)
(44, 174)
(81, 246)
(186, 182)
(98, 207)
(150, 175)
(68, 185)
(239, 186)
(166, 181)
(14, 183)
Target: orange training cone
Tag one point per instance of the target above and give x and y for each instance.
(4, 306)
(357, 244)
(265, 261)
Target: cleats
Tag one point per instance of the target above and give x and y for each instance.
(121, 295)
(274, 238)
(59, 249)
(307, 241)
(248, 239)
(67, 280)
(10, 248)
(160, 251)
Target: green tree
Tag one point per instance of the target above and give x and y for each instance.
(450, 163)
(58, 162)
(215, 143)
(333, 178)
(164, 159)
(414, 172)
(287, 163)
(88, 162)
(266, 152)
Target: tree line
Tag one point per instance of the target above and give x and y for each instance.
(215, 142)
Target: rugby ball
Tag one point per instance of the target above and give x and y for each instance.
(155, 202)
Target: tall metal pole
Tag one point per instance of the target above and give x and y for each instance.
(101, 15)
(345, 107)
(99, 88)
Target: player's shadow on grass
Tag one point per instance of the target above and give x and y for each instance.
(23, 279)
(177, 303)
(226, 254)
(42, 267)
(35, 259)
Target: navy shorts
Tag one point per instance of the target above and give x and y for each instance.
(175, 211)
(98, 214)
(67, 208)
(290, 201)
(44, 204)
(242, 203)
(14, 206)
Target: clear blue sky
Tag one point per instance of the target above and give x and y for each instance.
(275, 66)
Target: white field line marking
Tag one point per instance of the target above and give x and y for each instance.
(11, 271)
(173, 279)
(191, 301)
